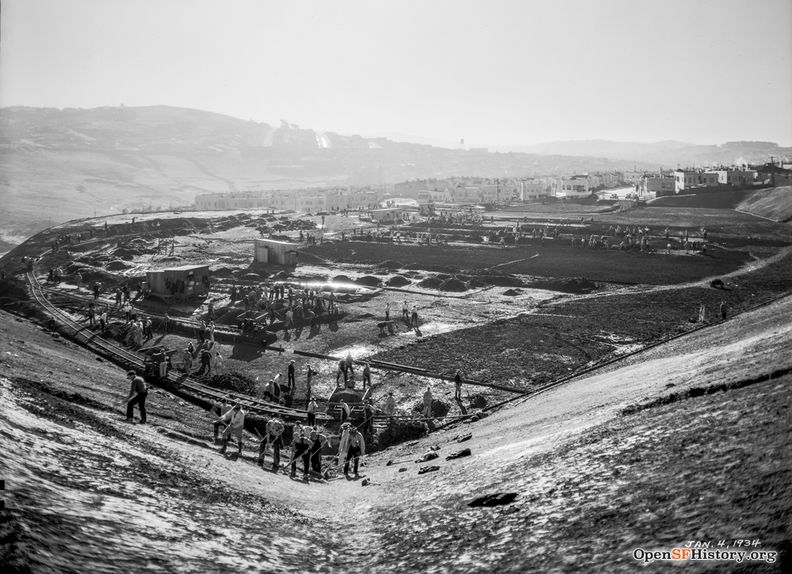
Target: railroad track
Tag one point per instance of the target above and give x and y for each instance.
(182, 386)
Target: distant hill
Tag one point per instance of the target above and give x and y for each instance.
(669, 154)
(70, 163)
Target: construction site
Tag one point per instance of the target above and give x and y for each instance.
(528, 331)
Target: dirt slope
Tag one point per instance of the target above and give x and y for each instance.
(86, 490)
(774, 203)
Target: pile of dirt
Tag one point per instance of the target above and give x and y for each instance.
(399, 431)
(453, 285)
(398, 281)
(223, 272)
(390, 264)
(430, 283)
(117, 265)
(233, 382)
(368, 281)
(496, 279)
(439, 408)
(576, 285)
(512, 292)
(342, 279)
(477, 401)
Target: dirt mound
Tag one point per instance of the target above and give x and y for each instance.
(574, 285)
(233, 382)
(342, 279)
(430, 283)
(390, 264)
(512, 292)
(439, 408)
(453, 285)
(398, 281)
(368, 281)
(477, 401)
(223, 272)
(498, 280)
(398, 432)
(117, 265)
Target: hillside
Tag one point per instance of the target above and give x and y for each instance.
(774, 203)
(57, 165)
(674, 445)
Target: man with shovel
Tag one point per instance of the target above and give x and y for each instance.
(137, 396)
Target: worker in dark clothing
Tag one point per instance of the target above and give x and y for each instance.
(366, 375)
(206, 362)
(342, 370)
(290, 376)
(300, 449)
(458, 386)
(137, 396)
(318, 441)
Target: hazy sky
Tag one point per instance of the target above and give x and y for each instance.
(490, 71)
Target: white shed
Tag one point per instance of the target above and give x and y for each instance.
(275, 252)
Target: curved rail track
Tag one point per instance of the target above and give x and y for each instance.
(180, 385)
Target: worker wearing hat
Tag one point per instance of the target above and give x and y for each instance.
(351, 447)
(235, 419)
(300, 449)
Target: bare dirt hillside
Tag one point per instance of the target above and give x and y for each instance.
(684, 442)
(774, 203)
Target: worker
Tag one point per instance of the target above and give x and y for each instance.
(138, 390)
(349, 363)
(274, 438)
(312, 408)
(206, 362)
(405, 312)
(290, 376)
(235, 419)
(300, 449)
(187, 361)
(458, 386)
(318, 441)
(427, 400)
(221, 409)
(366, 375)
(351, 447)
(390, 405)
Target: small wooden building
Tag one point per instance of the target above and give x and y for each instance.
(179, 283)
(275, 252)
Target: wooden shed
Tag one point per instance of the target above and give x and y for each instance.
(179, 282)
(275, 252)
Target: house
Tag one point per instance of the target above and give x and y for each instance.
(658, 185)
(387, 215)
(687, 179)
(179, 283)
(274, 252)
(574, 187)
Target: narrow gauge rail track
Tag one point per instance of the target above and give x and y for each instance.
(182, 386)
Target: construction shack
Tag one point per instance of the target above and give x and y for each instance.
(387, 215)
(273, 252)
(179, 283)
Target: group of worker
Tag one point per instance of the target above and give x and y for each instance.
(307, 442)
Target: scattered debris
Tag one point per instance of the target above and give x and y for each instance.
(425, 469)
(459, 454)
(464, 437)
(427, 456)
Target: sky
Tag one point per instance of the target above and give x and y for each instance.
(494, 72)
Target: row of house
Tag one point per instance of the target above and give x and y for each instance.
(685, 180)
(302, 200)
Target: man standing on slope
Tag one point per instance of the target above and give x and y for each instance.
(138, 392)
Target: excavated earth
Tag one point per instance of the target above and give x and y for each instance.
(684, 441)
